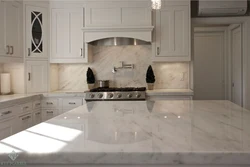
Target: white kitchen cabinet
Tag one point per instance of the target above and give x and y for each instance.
(71, 103)
(13, 28)
(6, 113)
(11, 34)
(67, 36)
(118, 14)
(50, 103)
(6, 128)
(37, 76)
(36, 32)
(49, 113)
(2, 29)
(24, 108)
(37, 116)
(37, 104)
(172, 34)
(23, 122)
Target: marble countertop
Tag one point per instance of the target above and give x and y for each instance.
(6, 100)
(138, 132)
(170, 92)
(63, 93)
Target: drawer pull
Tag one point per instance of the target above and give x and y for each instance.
(72, 103)
(37, 104)
(12, 50)
(50, 112)
(25, 118)
(8, 49)
(6, 113)
(38, 113)
(49, 103)
(26, 107)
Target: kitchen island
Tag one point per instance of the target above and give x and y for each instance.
(173, 133)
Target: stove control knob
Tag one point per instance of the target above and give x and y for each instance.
(92, 96)
(110, 95)
(138, 95)
(130, 95)
(119, 95)
(100, 95)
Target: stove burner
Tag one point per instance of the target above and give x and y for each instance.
(127, 89)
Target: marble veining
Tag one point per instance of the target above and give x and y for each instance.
(168, 75)
(147, 132)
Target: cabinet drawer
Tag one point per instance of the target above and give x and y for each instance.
(50, 103)
(71, 103)
(37, 104)
(26, 107)
(37, 117)
(49, 113)
(7, 112)
(24, 122)
(6, 128)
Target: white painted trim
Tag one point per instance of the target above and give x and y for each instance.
(229, 62)
(95, 33)
(245, 21)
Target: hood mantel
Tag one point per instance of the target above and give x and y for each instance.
(96, 33)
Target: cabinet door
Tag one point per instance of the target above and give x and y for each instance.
(36, 32)
(67, 36)
(24, 122)
(13, 28)
(2, 29)
(173, 34)
(37, 117)
(37, 76)
(6, 128)
(49, 113)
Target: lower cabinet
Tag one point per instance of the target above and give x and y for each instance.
(23, 122)
(49, 113)
(6, 128)
(37, 116)
(25, 115)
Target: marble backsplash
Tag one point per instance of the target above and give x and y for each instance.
(168, 75)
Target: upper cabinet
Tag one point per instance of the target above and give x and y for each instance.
(36, 32)
(67, 38)
(172, 33)
(11, 31)
(118, 14)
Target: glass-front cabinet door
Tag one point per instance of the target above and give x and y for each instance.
(36, 32)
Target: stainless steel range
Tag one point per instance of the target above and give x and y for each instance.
(109, 94)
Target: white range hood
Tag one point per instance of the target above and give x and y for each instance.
(139, 34)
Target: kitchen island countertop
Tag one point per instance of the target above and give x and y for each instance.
(138, 132)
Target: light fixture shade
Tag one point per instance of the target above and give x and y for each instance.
(156, 4)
